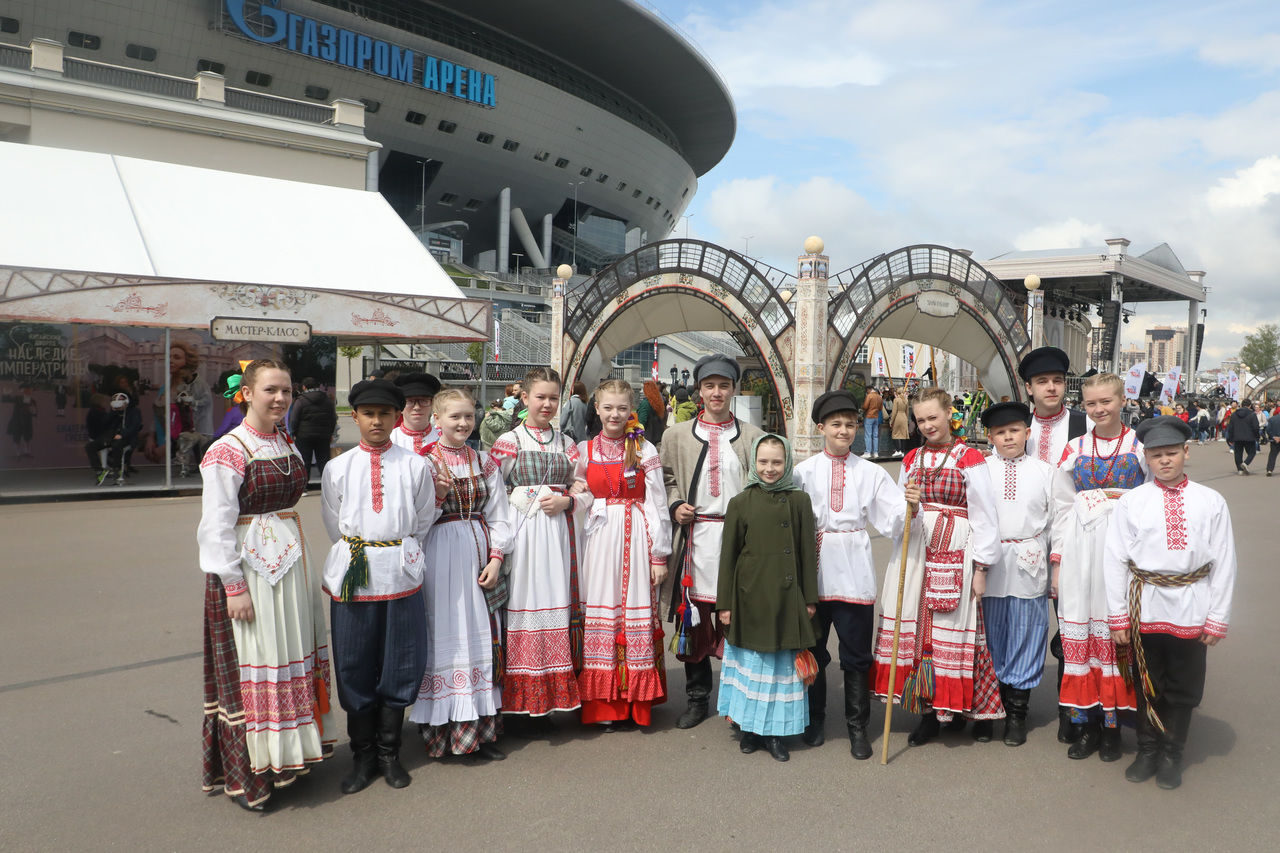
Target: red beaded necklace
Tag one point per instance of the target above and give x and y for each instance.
(1110, 460)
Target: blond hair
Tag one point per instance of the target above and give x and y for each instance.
(448, 395)
(631, 455)
(1103, 379)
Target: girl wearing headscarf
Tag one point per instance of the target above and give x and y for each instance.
(767, 595)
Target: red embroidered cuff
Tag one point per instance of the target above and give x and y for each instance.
(495, 554)
(1118, 621)
(1214, 628)
(1055, 558)
(235, 587)
(658, 561)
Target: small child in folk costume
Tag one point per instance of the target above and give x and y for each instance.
(1099, 467)
(943, 663)
(849, 495)
(767, 597)
(1015, 605)
(378, 500)
(266, 662)
(461, 692)
(544, 608)
(628, 539)
(1170, 568)
(416, 430)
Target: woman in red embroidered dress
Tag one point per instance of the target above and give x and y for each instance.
(628, 540)
(266, 658)
(954, 538)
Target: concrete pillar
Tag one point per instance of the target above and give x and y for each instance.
(211, 88)
(558, 286)
(348, 114)
(546, 238)
(371, 174)
(1117, 295)
(809, 366)
(525, 235)
(504, 230)
(1035, 310)
(46, 55)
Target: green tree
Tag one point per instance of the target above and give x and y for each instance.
(1261, 350)
(350, 353)
(476, 352)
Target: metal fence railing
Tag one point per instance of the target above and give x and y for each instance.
(129, 78)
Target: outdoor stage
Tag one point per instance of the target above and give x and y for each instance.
(100, 701)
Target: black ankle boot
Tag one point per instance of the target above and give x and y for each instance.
(390, 723)
(362, 729)
(1109, 748)
(697, 681)
(777, 749)
(813, 733)
(926, 730)
(1090, 740)
(857, 712)
(749, 743)
(1145, 763)
(1176, 721)
(983, 730)
(1017, 703)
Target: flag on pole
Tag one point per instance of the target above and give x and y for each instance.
(879, 368)
(1233, 386)
(655, 360)
(909, 360)
(1133, 380)
(497, 340)
(1169, 389)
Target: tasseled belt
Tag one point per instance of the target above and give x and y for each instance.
(358, 571)
(1139, 578)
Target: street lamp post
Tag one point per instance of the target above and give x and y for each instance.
(747, 245)
(422, 202)
(686, 218)
(573, 226)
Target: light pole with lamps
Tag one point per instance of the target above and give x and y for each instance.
(1035, 310)
(573, 226)
(747, 245)
(518, 256)
(686, 219)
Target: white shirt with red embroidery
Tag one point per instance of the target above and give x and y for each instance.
(849, 495)
(1027, 494)
(1173, 531)
(391, 498)
(719, 482)
(412, 439)
(1048, 436)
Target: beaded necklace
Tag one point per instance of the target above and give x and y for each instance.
(269, 440)
(534, 435)
(1110, 460)
(465, 495)
(933, 472)
(614, 491)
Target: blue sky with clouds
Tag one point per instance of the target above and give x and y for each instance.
(1002, 125)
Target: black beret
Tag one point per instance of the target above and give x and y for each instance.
(716, 365)
(375, 392)
(1043, 360)
(1005, 413)
(831, 402)
(418, 384)
(1163, 431)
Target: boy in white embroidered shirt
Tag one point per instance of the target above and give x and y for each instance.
(378, 499)
(1170, 568)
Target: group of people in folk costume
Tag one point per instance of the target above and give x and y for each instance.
(464, 587)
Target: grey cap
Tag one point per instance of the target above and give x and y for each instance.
(1163, 431)
(716, 365)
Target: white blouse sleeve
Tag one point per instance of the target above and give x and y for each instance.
(223, 473)
(887, 509)
(499, 516)
(426, 509)
(655, 509)
(984, 545)
(1115, 562)
(1222, 577)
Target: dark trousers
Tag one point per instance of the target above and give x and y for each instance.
(1242, 449)
(379, 651)
(313, 450)
(115, 453)
(855, 626)
(1177, 668)
(1272, 453)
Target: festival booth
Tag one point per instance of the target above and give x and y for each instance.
(114, 271)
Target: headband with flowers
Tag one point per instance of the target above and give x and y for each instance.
(234, 392)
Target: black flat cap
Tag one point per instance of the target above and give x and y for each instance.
(1163, 431)
(1005, 413)
(831, 402)
(1043, 360)
(376, 392)
(418, 384)
(716, 365)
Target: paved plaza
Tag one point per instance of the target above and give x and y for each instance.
(100, 700)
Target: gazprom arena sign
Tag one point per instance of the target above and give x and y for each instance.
(265, 22)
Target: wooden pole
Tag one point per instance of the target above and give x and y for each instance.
(897, 633)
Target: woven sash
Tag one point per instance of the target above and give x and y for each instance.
(358, 570)
(1138, 578)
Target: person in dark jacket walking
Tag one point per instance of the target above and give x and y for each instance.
(312, 423)
(1273, 441)
(1242, 432)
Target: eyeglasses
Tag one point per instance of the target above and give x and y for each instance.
(418, 403)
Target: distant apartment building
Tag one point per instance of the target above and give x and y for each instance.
(1164, 348)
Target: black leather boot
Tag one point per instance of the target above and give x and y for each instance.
(697, 685)
(813, 733)
(926, 730)
(777, 749)
(1177, 721)
(749, 743)
(857, 712)
(390, 723)
(1016, 704)
(1145, 763)
(1090, 740)
(361, 728)
(1109, 748)
(983, 730)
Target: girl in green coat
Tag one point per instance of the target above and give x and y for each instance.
(767, 595)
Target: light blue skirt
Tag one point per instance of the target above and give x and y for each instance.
(761, 692)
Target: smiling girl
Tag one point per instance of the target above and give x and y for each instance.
(538, 465)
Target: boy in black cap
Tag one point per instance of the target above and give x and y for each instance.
(848, 495)
(416, 430)
(1170, 568)
(1027, 493)
(1044, 373)
(377, 500)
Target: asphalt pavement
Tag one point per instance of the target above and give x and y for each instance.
(100, 702)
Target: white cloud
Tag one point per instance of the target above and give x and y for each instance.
(1249, 189)
(1068, 234)
(1252, 51)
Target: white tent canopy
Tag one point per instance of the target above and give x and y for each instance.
(76, 223)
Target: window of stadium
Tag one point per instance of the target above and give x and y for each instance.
(9, 25)
(414, 118)
(211, 66)
(542, 156)
(447, 126)
(586, 171)
(561, 162)
(483, 137)
(448, 198)
(257, 78)
(603, 178)
(84, 40)
(510, 145)
(140, 52)
(370, 105)
(317, 93)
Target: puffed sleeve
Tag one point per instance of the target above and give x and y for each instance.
(502, 456)
(887, 508)
(222, 471)
(1116, 555)
(1222, 577)
(655, 511)
(582, 500)
(984, 541)
(499, 517)
(1064, 503)
(426, 509)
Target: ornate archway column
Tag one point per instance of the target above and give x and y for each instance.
(809, 361)
(558, 286)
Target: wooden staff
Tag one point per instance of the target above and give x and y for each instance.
(897, 633)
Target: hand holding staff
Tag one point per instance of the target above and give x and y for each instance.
(913, 502)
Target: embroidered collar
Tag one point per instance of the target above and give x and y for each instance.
(371, 448)
(416, 433)
(449, 448)
(1053, 419)
(721, 425)
(1014, 461)
(1176, 487)
(266, 436)
(604, 439)
(833, 457)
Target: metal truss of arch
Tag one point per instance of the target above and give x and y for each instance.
(753, 284)
(1261, 382)
(875, 289)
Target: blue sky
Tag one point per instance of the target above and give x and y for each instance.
(1001, 125)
